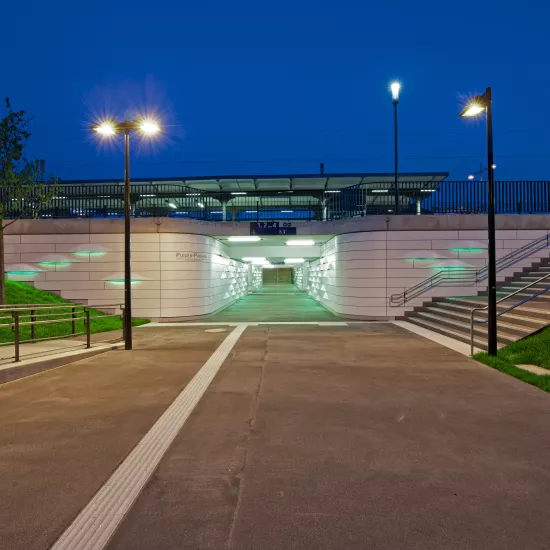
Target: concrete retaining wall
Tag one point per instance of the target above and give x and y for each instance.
(358, 272)
(175, 275)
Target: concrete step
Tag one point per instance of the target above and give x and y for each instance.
(515, 317)
(507, 333)
(460, 336)
(534, 308)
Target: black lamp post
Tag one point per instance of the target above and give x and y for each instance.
(107, 129)
(395, 87)
(478, 105)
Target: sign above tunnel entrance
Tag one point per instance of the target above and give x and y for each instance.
(272, 228)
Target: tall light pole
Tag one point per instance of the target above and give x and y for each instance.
(478, 105)
(395, 87)
(109, 128)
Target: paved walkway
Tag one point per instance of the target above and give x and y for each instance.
(365, 436)
(275, 303)
(45, 349)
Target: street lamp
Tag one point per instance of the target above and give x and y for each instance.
(109, 128)
(476, 106)
(472, 176)
(395, 88)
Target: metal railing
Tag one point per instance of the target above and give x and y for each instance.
(176, 200)
(469, 275)
(15, 317)
(514, 306)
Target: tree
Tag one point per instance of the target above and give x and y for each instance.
(24, 189)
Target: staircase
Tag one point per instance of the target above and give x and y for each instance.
(451, 316)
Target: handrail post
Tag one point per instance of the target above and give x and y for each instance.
(472, 333)
(16, 334)
(88, 328)
(124, 324)
(73, 323)
(33, 319)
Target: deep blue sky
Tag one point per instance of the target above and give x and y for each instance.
(277, 87)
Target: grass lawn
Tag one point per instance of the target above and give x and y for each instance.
(534, 350)
(20, 293)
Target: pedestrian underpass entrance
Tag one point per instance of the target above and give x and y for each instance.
(278, 276)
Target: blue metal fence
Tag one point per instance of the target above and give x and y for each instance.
(180, 201)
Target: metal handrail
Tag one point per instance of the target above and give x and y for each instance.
(17, 322)
(507, 297)
(479, 274)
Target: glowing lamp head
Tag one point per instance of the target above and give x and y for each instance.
(493, 166)
(148, 127)
(105, 128)
(395, 87)
(474, 108)
(471, 177)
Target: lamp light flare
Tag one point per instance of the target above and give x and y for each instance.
(395, 87)
(105, 128)
(172, 205)
(149, 127)
(471, 177)
(472, 110)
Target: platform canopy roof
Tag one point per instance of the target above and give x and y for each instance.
(267, 183)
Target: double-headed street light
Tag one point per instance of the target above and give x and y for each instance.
(472, 176)
(395, 88)
(478, 105)
(110, 128)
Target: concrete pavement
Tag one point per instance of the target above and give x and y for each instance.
(309, 437)
(358, 437)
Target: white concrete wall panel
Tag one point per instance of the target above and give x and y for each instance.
(391, 262)
(175, 275)
(188, 275)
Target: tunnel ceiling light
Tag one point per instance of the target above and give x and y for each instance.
(238, 193)
(294, 260)
(428, 190)
(286, 211)
(253, 259)
(245, 239)
(380, 191)
(333, 191)
(304, 242)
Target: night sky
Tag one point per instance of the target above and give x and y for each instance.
(252, 87)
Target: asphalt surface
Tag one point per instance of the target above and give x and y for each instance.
(364, 436)
(64, 431)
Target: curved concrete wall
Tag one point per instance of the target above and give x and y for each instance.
(355, 276)
(358, 272)
(175, 275)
